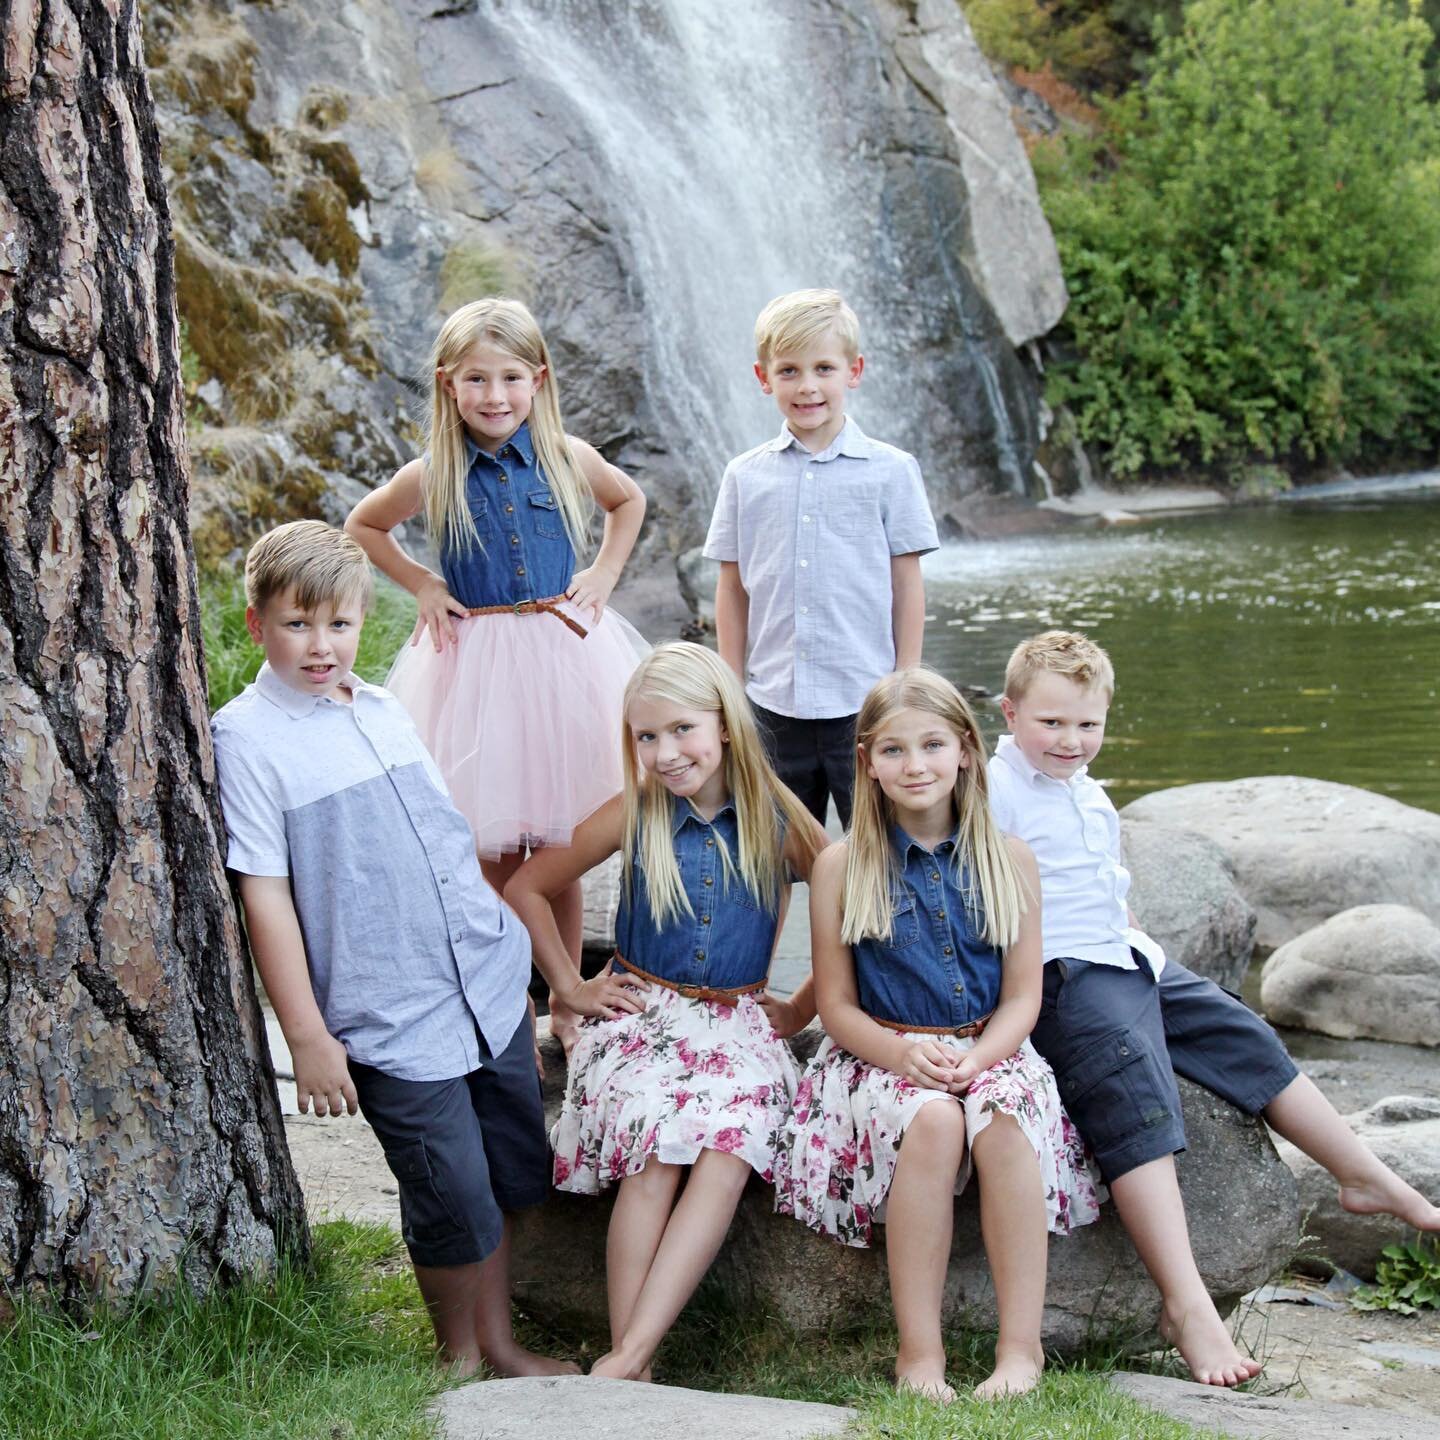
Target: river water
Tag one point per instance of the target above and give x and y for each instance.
(1288, 639)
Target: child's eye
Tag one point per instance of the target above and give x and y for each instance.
(644, 737)
(889, 749)
(683, 728)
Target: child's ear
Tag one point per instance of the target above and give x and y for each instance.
(443, 380)
(763, 378)
(865, 761)
(539, 379)
(857, 369)
(1007, 709)
(252, 624)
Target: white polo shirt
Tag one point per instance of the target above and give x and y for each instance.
(1075, 833)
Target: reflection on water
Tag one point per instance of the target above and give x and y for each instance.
(1285, 640)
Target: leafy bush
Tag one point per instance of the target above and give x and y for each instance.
(1407, 1279)
(1252, 250)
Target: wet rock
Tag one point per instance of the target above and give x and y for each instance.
(1404, 1131)
(1303, 850)
(1239, 1198)
(1372, 972)
(1183, 893)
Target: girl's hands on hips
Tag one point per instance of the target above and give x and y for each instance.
(928, 1064)
(590, 589)
(608, 995)
(785, 1019)
(436, 605)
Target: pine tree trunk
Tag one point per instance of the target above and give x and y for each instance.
(140, 1136)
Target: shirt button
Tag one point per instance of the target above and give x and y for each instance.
(805, 518)
(804, 564)
(704, 919)
(934, 874)
(939, 914)
(503, 477)
(509, 509)
(959, 989)
(514, 539)
(709, 841)
(519, 569)
(699, 954)
(949, 949)
(444, 879)
(709, 880)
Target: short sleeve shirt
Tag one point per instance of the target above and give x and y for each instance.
(814, 536)
(409, 949)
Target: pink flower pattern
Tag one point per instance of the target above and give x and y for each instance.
(842, 1139)
(680, 1077)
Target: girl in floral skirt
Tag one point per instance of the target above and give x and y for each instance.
(680, 1087)
(925, 927)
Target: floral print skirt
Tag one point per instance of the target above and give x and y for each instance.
(842, 1141)
(679, 1077)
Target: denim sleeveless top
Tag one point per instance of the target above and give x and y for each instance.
(936, 969)
(524, 552)
(726, 944)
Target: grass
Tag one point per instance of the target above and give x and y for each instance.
(339, 1353)
(232, 658)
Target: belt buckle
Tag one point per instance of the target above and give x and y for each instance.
(518, 604)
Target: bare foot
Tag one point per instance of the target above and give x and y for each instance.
(613, 1365)
(1386, 1193)
(926, 1377)
(514, 1362)
(1199, 1334)
(1016, 1371)
(564, 1025)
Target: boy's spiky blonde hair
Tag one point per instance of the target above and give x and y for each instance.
(793, 323)
(323, 565)
(1059, 652)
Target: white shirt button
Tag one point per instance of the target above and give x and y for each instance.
(804, 564)
(804, 609)
(805, 518)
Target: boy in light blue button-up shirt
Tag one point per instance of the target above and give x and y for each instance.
(819, 534)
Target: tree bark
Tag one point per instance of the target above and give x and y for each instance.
(140, 1135)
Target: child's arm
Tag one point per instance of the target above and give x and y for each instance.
(529, 893)
(322, 1073)
(907, 609)
(1020, 982)
(370, 524)
(926, 1063)
(623, 502)
(732, 617)
(802, 846)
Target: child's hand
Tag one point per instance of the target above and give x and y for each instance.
(608, 995)
(322, 1075)
(963, 1074)
(590, 590)
(436, 605)
(928, 1064)
(784, 1017)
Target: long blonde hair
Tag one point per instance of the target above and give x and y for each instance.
(508, 326)
(995, 894)
(684, 674)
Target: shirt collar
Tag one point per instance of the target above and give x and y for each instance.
(904, 842)
(292, 702)
(851, 441)
(520, 442)
(1007, 750)
(683, 811)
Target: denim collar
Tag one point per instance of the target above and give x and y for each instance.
(682, 811)
(904, 843)
(520, 442)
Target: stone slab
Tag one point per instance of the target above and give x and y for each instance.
(622, 1410)
(1267, 1417)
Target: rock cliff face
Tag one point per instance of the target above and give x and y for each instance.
(645, 175)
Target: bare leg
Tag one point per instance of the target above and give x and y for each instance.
(1367, 1185)
(469, 1307)
(1012, 1220)
(637, 1225)
(691, 1241)
(919, 1218)
(1148, 1199)
(569, 908)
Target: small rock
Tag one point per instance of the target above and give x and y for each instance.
(1372, 972)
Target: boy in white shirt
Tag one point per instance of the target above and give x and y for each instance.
(1118, 1021)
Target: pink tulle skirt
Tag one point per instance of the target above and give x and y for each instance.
(523, 717)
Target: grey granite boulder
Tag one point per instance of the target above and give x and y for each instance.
(1241, 1203)
(1183, 893)
(1303, 850)
(1404, 1131)
(601, 889)
(1372, 972)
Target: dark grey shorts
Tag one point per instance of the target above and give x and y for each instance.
(462, 1151)
(1116, 1040)
(815, 758)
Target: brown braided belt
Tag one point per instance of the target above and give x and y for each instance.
(957, 1032)
(692, 992)
(548, 606)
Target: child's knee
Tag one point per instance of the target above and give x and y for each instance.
(940, 1124)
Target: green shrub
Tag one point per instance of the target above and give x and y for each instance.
(1252, 250)
(1407, 1279)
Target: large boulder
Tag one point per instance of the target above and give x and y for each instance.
(1183, 894)
(1371, 972)
(1303, 850)
(1404, 1131)
(1239, 1199)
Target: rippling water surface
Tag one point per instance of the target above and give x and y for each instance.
(1293, 639)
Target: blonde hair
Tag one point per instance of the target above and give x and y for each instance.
(995, 893)
(509, 326)
(684, 674)
(1059, 652)
(793, 323)
(322, 564)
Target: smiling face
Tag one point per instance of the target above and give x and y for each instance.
(916, 758)
(809, 387)
(312, 651)
(683, 747)
(1058, 724)
(493, 392)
